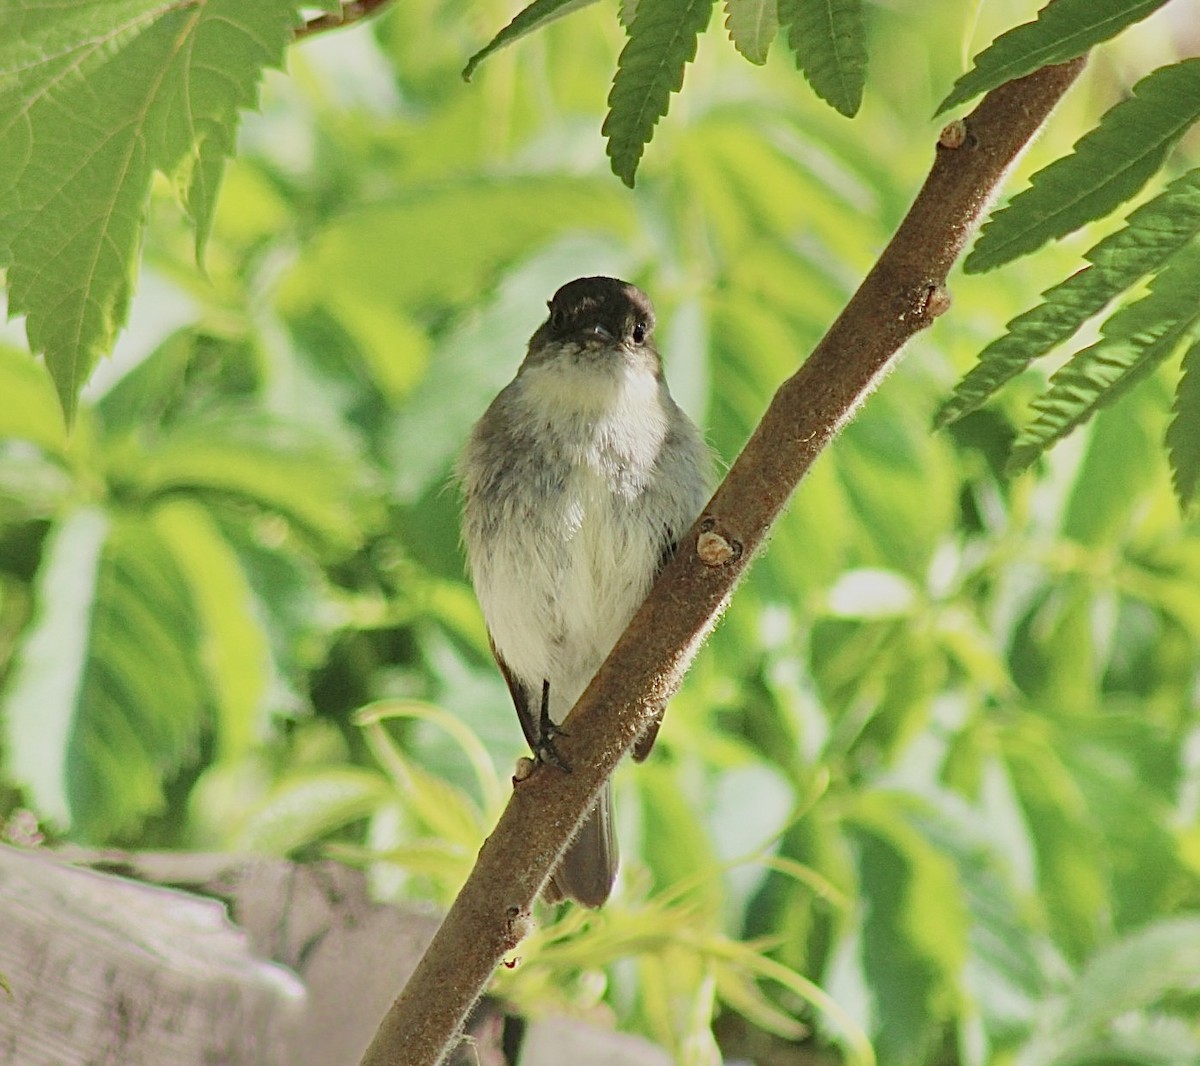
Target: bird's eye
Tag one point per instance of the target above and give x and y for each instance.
(558, 317)
(639, 333)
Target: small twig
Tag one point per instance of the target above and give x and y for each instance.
(903, 294)
(352, 11)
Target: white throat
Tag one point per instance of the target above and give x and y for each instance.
(606, 413)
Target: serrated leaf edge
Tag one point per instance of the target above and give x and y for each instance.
(1058, 50)
(674, 84)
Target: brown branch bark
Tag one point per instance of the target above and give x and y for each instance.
(901, 295)
(351, 11)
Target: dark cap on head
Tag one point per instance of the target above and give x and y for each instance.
(605, 309)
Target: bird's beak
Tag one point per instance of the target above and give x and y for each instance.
(600, 333)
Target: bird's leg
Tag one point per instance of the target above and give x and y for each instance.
(548, 731)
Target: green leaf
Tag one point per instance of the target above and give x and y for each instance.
(233, 647)
(292, 595)
(668, 814)
(1127, 769)
(830, 42)
(1151, 235)
(662, 41)
(1142, 1038)
(1183, 435)
(1063, 30)
(144, 394)
(915, 926)
(1119, 469)
(1135, 340)
(96, 96)
(1006, 972)
(886, 469)
(464, 738)
(481, 228)
(752, 25)
(1108, 166)
(1070, 862)
(107, 701)
(215, 75)
(309, 804)
(1136, 972)
(48, 674)
(279, 467)
(30, 411)
(534, 17)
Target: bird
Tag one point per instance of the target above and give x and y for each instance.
(577, 482)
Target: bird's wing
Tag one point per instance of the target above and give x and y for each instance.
(522, 699)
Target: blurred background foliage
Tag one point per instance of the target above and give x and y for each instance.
(930, 794)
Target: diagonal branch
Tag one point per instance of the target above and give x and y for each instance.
(901, 295)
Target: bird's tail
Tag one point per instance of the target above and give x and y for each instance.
(588, 867)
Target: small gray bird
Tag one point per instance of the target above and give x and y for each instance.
(578, 480)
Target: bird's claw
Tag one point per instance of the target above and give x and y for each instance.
(548, 732)
(547, 752)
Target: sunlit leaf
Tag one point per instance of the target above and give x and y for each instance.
(887, 472)
(1136, 339)
(914, 929)
(97, 96)
(1108, 166)
(144, 394)
(480, 226)
(1071, 873)
(1127, 770)
(1183, 435)
(443, 861)
(752, 25)
(829, 39)
(1007, 969)
(1114, 479)
(534, 17)
(29, 411)
(485, 772)
(662, 41)
(1141, 1038)
(306, 806)
(856, 1046)
(442, 809)
(1063, 30)
(1097, 1015)
(108, 700)
(743, 994)
(667, 814)
(275, 466)
(233, 648)
(1150, 236)
(1137, 971)
(49, 672)
(808, 877)
(292, 593)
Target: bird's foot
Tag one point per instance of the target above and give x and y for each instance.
(548, 732)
